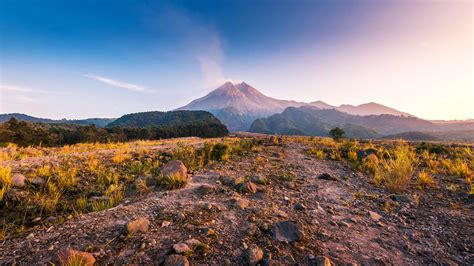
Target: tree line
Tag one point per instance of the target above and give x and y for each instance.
(27, 133)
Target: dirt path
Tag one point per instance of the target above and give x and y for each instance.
(335, 220)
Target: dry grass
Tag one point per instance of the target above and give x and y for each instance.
(424, 180)
(5, 180)
(171, 182)
(396, 171)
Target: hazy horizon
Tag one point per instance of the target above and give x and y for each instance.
(108, 58)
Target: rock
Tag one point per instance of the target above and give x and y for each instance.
(209, 231)
(193, 243)
(226, 180)
(139, 225)
(322, 261)
(287, 231)
(401, 198)
(37, 181)
(165, 223)
(259, 179)
(181, 248)
(300, 207)
(75, 257)
(18, 180)
(247, 187)
(176, 260)
(375, 216)
(327, 176)
(175, 168)
(254, 255)
(205, 190)
(181, 216)
(240, 203)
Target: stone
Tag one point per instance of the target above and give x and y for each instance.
(165, 223)
(375, 216)
(18, 180)
(37, 181)
(209, 231)
(322, 261)
(401, 198)
(247, 187)
(287, 231)
(81, 258)
(139, 225)
(205, 190)
(193, 243)
(181, 248)
(254, 255)
(259, 179)
(226, 180)
(240, 203)
(175, 168)
(327, 176)
(176, 260)
(300, 207)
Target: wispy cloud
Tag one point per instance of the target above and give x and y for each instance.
(19, 89)
(118, 84)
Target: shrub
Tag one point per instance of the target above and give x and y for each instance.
(5, 180)
(316, 152)
(424, 180)
(396, 171)
(171, 182)
(220, 152)
(461, 169)
(336, 133)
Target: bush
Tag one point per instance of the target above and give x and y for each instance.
(220, 152)
(336, 133)
(396, 171)
(171, 182)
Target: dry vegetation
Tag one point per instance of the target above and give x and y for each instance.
(65, 182)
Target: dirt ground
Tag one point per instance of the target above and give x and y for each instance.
(348, 220)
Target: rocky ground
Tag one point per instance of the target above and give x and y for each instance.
(296, 209)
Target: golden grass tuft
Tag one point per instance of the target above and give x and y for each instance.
(424, 180)
(172, 181)
(396, 171)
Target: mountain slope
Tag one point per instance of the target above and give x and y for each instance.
(310, 121)
(100, 122)
(370, 109)
(171, 118)
(238, 105)
(243, 98)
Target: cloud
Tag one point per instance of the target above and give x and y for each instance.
(19, 89)
(118, 84)
(201, 39)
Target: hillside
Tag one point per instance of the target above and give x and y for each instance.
(172, 118)
(100, 122)
(143, 126)
(313, 121)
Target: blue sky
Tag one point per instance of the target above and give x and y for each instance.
(78, 59)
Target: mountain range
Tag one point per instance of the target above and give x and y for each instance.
(238, 105)
(241, 107)
(100, 122)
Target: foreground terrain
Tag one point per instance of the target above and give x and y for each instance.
(247, 200)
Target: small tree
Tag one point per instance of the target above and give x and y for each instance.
(336, 133)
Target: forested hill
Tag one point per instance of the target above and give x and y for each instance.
(171, 118)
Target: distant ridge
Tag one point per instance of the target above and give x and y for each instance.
(100, 122)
